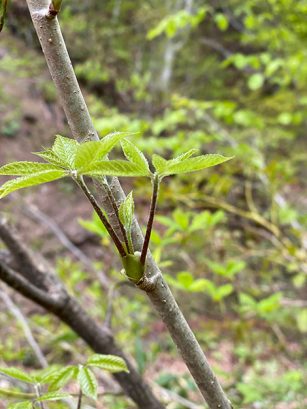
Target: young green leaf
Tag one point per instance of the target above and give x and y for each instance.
(26, 168)
(134, 155)
(109, 363)
(49, 156)
(184, 156)
(61, 378)
(126, 211)
(88, 382)
(50, 396)
(21, 405)
(93, 151)
(27, 181)
(159, 163)
(113, 168)
(17, 374)
(190, 164)
(65, 149)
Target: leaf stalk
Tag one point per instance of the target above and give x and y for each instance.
(80, 182)
(153, 205)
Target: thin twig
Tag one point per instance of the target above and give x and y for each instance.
(38, 394)
(101, 216)
(43, 218)
(175, 397)
(155, 184)
(25, 326)
(111, 297)
(79, 399)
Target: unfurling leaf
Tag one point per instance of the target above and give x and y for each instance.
(27, 181)
(184, 164)
(93, 151)
(17, 374)
(49, 156)
(109, 363)
(88, 382)
(65, 149)
(134, 155)
(126, 211)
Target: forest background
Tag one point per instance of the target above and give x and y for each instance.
(226, 77)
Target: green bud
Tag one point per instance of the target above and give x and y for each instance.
(56, 5)
(133, 267)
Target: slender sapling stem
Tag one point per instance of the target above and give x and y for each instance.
(80, 399)
(38, 395)
(154, 198)
(102, 217)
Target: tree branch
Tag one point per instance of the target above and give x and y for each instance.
(79, 120)
(57, 301)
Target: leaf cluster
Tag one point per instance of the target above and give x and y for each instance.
(69, 158)
(55, 379)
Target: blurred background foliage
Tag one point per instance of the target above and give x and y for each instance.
(227, 77)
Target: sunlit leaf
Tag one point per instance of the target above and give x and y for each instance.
(21, 405)
(109, 363)
(51, 396)
(27, 181)
(92, 151)
(61, 377)
(166, 168)
(133, 154)
(113, 168)
(26, 168)
(49, 156)
(88, 382)
(17, 374)
(65, 149)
